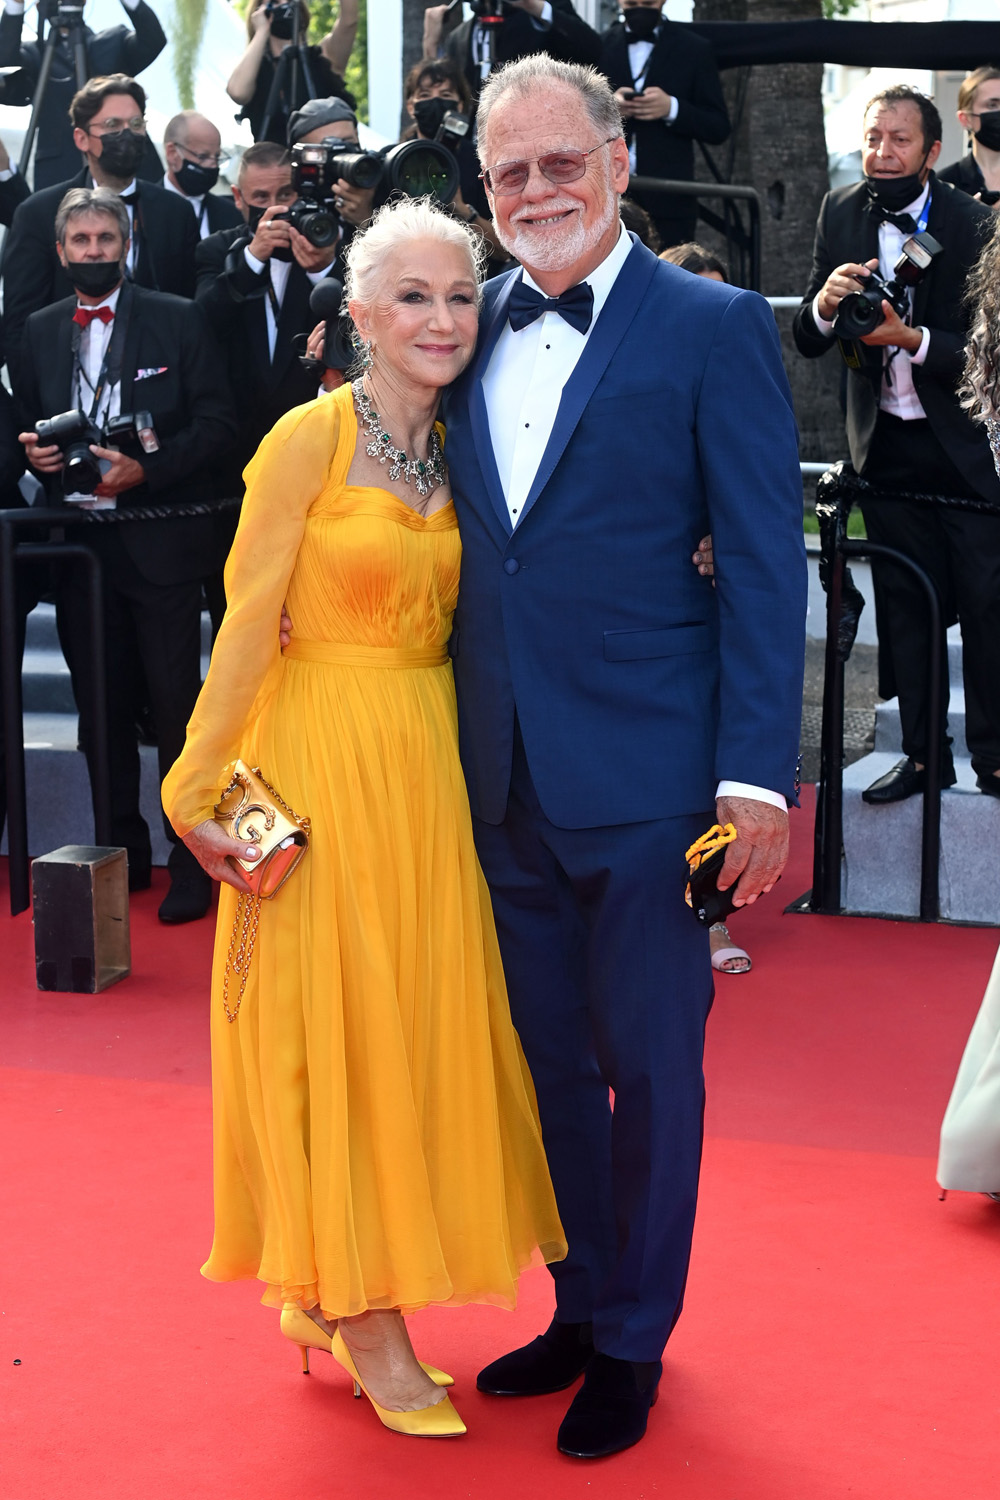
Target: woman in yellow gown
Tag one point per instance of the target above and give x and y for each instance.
(376, 1139)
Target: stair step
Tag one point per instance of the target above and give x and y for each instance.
(889, 733)
(881, 871)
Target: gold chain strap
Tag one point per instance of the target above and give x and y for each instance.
(238, 960)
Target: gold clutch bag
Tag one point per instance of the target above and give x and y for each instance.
(252, 810)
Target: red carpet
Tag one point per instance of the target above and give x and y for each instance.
(842, 1325)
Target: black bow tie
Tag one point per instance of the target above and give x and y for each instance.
(903, 222)
(575, 304)
(129, 197)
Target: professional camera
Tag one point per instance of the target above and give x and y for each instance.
(860, 313)
(281, 14)
(489, 12)
(421, 169)
(454, 129)
(72, 432)
(315, 168)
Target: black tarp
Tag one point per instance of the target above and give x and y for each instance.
(938, 45)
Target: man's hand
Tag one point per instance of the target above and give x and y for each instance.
(757, 855)
(894, 331)
(354, 204)
(4, 158)
(47, 460)
(270, 232)
(285, 628)
(124, 473)
(704, 559)
(309, 256)
(650, 104)
(433, 26)
(213, 847)
(850, 277)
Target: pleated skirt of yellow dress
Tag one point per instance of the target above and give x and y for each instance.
(376, 1137)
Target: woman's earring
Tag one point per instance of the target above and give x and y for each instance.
(363, 349)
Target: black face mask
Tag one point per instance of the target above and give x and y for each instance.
(121, 153)
(195, 180)
(94, 278)
(894, 193)
(429, 115)
(988, 134)
(641, 21)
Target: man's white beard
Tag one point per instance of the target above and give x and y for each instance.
(547, 250)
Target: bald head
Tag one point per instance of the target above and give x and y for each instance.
(191, 138)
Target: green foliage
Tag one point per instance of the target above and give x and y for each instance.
(834, 8)
(187, 27)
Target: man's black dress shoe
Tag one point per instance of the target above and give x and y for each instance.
(989, 784)
(549, 1363)
(902, 781)
(189, 897)
(610, 1410)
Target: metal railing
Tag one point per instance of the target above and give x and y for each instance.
(742, 242)
(53, 521)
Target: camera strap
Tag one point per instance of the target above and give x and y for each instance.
(110, 373)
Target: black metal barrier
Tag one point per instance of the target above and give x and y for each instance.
(53, 546)
(744, 241)
(836, 492)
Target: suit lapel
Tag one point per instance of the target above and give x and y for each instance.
(936, 217)
(56, 386)
(292, 316)
(130, 353)
(478, 416)
(616, 317)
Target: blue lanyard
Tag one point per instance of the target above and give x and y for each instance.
(924, 215)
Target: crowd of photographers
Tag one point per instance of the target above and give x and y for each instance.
(155, 327)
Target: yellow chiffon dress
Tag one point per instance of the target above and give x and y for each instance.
(376, 1138)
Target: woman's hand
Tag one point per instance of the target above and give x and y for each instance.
(285, 628)
(213, 848)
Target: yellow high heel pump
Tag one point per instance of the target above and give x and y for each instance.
(306, 1332)
(441, 1420)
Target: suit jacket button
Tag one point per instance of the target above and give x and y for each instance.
(511, 565)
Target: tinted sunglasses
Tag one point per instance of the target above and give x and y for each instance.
(509, 177)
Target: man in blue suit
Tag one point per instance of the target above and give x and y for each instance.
(611, 702)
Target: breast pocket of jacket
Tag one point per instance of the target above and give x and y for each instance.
(685, 639)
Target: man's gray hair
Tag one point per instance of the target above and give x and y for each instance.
(80, 201)
(538, 72)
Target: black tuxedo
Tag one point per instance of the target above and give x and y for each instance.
(568, 38)
(234, 299)
(946, 453)
(119, 49)
(683, 66)
(12, 194)
(964, 174)
(33, 277)
(153, 570)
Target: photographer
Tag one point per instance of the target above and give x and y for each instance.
(119, 49)
(270, 29)
(254, 284)
(110, 129)
(192, 146)
(905, 426)
(669, 94)
(502, 30)
(432, 90)
(111, 351)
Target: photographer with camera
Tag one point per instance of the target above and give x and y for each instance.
(502, 30)
(438, 102)
(274, 27)
(254, 284)
(119, 49)
(109, 127)
(124, 401)
(669, 94)
(890, 265)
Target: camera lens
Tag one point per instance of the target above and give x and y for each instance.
(319, 227)
(421, 168)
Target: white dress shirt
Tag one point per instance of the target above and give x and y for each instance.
(132, 247)
(94, 341)
(899, 395)
(523, 386)
(639, 54)
(279, 280)
(197, 205)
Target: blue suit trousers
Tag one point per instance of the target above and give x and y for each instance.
(610, 987)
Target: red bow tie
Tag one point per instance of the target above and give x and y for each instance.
(86, 315)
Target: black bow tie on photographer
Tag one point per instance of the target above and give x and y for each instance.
(575, 304)
(888, 196)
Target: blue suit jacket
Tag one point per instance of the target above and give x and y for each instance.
(637, 685)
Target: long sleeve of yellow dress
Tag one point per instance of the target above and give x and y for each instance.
(283, 479)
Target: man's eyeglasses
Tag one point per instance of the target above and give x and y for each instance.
(509, 177)
(204, 158)
(137, 125)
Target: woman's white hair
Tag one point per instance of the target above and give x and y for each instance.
(399, 224)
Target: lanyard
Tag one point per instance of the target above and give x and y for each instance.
(110, 373)
(924, 215)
